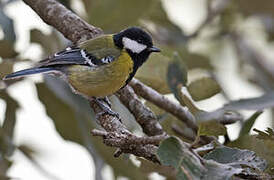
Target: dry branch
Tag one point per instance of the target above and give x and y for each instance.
(117, 136)
(163, 102)
(65, 21)
(143, 115)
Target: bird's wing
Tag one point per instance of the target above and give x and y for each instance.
(94, 52)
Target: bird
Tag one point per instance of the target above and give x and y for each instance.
(98, 67)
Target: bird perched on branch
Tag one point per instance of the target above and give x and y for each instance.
(98, 67)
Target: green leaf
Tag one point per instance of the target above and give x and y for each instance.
(174, 153)
(246, 163)
(203, 88)
(237, 158)
(176, 74)
(170, 152)
(263, 148)
(267, 135)
(249, 123)
(211, 128)
(153, 73)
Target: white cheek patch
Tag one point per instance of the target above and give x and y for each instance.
(134, 46)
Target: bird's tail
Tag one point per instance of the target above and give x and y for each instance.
(30, 71)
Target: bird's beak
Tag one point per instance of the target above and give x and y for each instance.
(154, 49)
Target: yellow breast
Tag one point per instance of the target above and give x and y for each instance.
(102, 80)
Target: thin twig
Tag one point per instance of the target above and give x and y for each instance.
(120, 140)
(161, 101)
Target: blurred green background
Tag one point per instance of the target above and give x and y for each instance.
(220, 50)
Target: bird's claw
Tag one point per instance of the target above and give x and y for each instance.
(106, 100)
(112, 113)
(106, 109)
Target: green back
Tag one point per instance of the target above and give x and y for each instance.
(101, 47)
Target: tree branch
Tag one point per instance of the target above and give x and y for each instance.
(143, 115)
(117, 135)
(121, 140)
(69, 24)
(161, 101)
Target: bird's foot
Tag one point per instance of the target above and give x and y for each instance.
(106, 108)
(106, 100)
(112, 113)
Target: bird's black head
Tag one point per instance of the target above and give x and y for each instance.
(137, 42)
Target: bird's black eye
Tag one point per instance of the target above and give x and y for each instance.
(139, 40)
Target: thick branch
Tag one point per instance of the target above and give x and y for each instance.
(143, 115)
(115, 129)
(121, 140)
(161, 101)
(65, 21)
